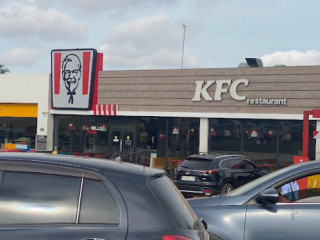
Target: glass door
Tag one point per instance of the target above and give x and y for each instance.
(122, 144)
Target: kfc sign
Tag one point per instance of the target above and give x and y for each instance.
(221, 86)
(72, 78)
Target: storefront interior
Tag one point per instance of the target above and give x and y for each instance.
(18, 130)
(133, 138)
(271, 143)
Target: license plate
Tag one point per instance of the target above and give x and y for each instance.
(188, 178)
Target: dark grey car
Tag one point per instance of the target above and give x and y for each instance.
(261, 210)
(50, 197)
(211, 174)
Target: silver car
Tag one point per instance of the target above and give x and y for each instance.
(263, 209)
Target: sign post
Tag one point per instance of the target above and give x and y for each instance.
(303, 183)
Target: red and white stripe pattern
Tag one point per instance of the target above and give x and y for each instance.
(316, 134)
(106, 109)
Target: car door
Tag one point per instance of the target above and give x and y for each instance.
(298, 219)
(282, 221)
(252, 171)
(38, 206)
(239, 172)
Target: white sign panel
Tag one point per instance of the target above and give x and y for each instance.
(72, 77)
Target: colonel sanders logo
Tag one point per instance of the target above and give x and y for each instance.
(71, 74)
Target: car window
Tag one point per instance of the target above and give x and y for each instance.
(301, 190)
(173, 201)
(248, 165)
(35, 198)
(224, 164)
(197, 164)
(236, 164)
(97, 205)
(247, 187)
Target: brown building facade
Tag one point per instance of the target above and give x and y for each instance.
(170, 114)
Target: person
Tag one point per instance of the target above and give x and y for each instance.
(71, 73)
(290, 191)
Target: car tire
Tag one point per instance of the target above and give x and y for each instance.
(226, 188)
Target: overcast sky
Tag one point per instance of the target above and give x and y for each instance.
(148, 34)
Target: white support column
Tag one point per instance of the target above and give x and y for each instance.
(203, 135)
(317, 157)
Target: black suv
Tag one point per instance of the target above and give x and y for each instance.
(51, 197)
(209, 174)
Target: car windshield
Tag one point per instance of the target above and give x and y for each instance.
(196, 164)
(247, 187)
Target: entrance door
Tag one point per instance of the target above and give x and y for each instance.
(122, 144)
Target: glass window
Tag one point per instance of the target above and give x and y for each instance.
(147, 139)
(35, 198)
(224, 135)
(18, 130)
(68, 133)
(94, 137)
(183, 137)
(147, 133)
(236, 164)
(175, 204)
(82, 135)
(268, 143)
(224, 164)
(301, 190)
(248, 165)
(97, 205)
(196, 164)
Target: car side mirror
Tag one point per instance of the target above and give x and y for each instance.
(263, 170)
(202, 223)
(268, 196)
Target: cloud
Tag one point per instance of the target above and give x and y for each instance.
(115, 8)
(144, 43)
(115, 5)
(291, 58)
(30, 21)
(21, 57)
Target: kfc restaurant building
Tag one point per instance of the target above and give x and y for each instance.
(169, 114)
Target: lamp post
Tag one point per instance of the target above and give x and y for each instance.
(184, 36)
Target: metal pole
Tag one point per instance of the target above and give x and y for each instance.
(241, 138)
(184, 36)
(166, 145)
(278, 146)
(305, 133)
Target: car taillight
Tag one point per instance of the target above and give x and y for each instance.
(174, 237)
(207, 192)
(209, 171)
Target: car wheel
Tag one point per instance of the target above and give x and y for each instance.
(226, 188)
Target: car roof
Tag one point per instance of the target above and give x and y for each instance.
(86, 163)
(214, 156)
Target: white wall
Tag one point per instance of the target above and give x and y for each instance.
(30, 88)
(204, 135)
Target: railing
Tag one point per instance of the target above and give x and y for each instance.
(141, 157)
